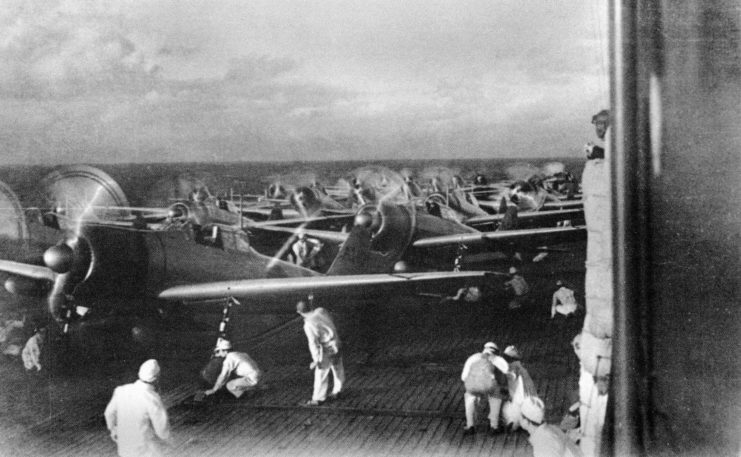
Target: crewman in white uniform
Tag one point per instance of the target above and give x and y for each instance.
(326, 352)
(563, 301)
(239, 373)
(31, 354)
(547, 440)
(484, 376)
(136, 416)
(520, 386)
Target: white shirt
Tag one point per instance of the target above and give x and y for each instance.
(135, 416)
(306, 250)
(321, 334)
(32, 352)
(238, 363)
(481, 374)
(549, 441)
(565, 297)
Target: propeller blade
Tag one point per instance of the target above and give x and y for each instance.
(80, 193)
(12, 218)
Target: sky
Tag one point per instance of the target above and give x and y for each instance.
(106, 81)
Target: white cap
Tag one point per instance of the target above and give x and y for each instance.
(512, 270)
(533, 410)
(512, 352)
(149, 371)
(223, 344)
(492, 347)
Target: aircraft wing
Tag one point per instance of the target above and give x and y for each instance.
(532, 237)
(349, 285)
(293, 222)
(532, 217)
(562, 204)
(324, 235)
(27, 270)
(258, 212)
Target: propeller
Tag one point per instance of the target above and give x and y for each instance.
(12, 217)
(521, 171)
(553, 168)
(377, 183)
(441, 179)
(14, 243)
(185, 186)
(306, 201)
(80, 193)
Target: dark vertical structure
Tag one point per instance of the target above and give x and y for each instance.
(676, 100)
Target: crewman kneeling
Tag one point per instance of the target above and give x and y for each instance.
(31, 354)
(484, 377)
(547, 440)
(238, 372)
(563, 301)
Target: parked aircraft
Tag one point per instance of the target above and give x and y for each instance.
(78, 258)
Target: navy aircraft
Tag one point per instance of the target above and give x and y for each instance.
(88, 254)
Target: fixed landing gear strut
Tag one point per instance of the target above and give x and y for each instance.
(224, 324)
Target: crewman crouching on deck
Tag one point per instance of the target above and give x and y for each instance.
(239, 373)
(136, 416)
(31, 354)
(484, 376)
(547, 440)
(563, 301)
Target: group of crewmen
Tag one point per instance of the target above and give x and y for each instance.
(503, 381)
(137, 418)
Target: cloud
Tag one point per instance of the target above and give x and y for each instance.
(258, 69)
(275, 79)
(65, 49)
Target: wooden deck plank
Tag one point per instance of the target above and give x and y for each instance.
(407, 401)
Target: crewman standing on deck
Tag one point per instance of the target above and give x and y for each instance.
(484, 376)
(136, 416)
(326, 352)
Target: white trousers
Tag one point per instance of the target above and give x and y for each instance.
(592, 414)
(238, 386)
(470, 401)
(321, 377)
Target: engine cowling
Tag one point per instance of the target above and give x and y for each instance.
(178, 212)
(306, 201)
(391, 225)
(19, 285)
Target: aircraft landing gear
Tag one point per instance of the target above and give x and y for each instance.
(458, 262)
(224, 324)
